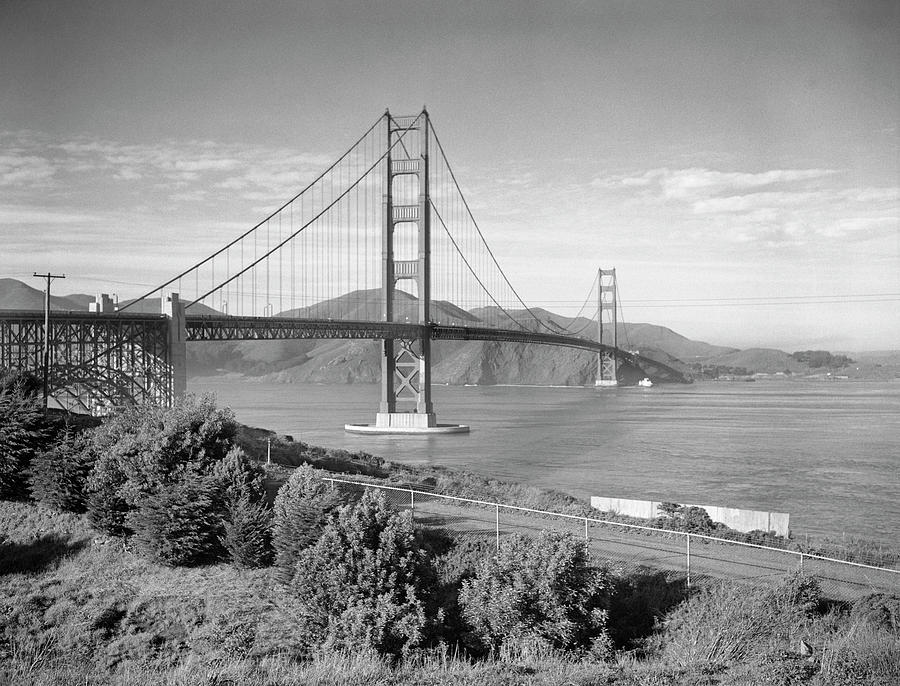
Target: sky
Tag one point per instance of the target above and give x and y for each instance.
(736, 162)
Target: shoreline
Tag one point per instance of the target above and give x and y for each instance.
(288, 454)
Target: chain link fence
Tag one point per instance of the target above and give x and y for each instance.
(631, 548)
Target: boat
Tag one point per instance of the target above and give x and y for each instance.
(645, 382)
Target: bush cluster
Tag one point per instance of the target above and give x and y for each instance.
(172, 479)
(359, 577)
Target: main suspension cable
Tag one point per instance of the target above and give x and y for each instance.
(254, 228)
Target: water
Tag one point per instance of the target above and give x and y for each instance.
(827, 453)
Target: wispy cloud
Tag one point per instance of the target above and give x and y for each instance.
(771, 209)
(694, 182)
(24, 214)
(20, 169)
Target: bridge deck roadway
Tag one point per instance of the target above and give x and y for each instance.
(231, 328)
(222, 328)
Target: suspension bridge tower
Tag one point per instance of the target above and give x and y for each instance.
(406, 406)
(607, 363)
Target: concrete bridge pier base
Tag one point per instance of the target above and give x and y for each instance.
(176, 357)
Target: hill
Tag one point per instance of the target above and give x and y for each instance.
(459, 362)
(15, 295)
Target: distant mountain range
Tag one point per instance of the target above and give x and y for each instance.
(460, 362)
(15, 295)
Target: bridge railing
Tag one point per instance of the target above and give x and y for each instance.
(632, 548)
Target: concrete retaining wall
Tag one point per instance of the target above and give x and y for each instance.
(739, 520)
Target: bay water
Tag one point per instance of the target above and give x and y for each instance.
(827, 453)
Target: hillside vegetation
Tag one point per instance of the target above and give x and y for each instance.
(152, 549)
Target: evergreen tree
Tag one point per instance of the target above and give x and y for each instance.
(23, 432)
(360, 585)
(180, 524)
(59, 474)
(302, 507)
(540, 590)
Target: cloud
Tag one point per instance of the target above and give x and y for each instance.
(198, 165)
(17, 169)
(698, 182)
(279, 171)
(687, 184)
(772, 209)
(24, 214)
(128, 174)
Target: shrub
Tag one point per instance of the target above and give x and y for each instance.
(237, 477)
(141, 450)
(539, 589)
(241, 497)
(724, 622)
(23, 432)
(798, 592)
(106, 509)
(691, 519)
(179, 525)
(59, 475)
(359, 586)
(247, 533)
(302, 507)
(879, 609)
(452, 567)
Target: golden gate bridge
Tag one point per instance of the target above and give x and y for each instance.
(381, 245)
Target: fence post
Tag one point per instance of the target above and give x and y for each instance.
(331, 481)
(688, 536)
(412, 502)
(497, 515)
(801, 563)
(586, 536)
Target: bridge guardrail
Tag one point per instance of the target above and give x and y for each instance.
(638, 548)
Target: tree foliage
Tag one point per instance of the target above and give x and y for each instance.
(179, 525)
(237, 477)
(689, 518)
(539, 590)
(23, 431)
(247, 526)
(142, 450)
(359, 585)
(301, 512)
(59, 474)
(821, 358)
(247, 533)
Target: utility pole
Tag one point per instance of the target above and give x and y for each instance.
(46, 355)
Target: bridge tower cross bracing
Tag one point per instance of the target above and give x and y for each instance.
(607, 362)
(406, 363)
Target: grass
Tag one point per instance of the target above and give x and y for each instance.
(79, 608)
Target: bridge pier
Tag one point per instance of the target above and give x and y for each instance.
(176, 350)
(406, 406)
